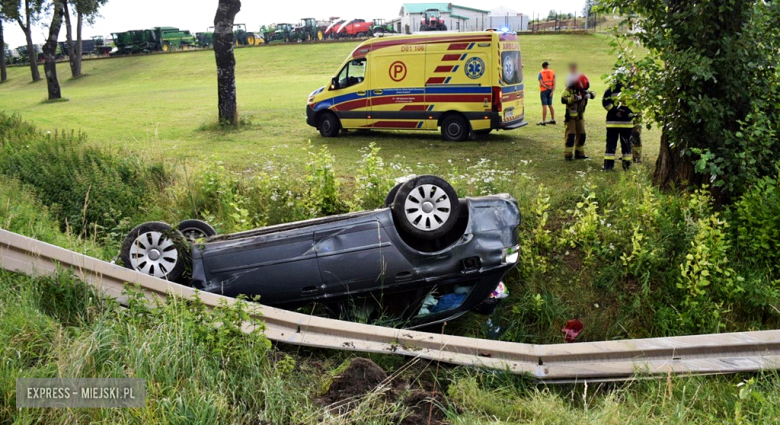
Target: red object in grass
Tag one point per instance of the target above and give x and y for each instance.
(571, 329)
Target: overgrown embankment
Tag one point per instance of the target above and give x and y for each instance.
(626, 259)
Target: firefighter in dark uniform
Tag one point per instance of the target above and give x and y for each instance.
(620, 125)
(576, 97)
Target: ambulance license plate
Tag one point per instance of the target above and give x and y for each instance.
(509, 114)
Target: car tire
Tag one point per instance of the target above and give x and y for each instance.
(426, 207)
(193, 230)
(455, 128)
(329, 125)
(155, 249)
(391, 195)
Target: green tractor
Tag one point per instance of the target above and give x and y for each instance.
(241, 37)
(244, 37)
(283, 33)
(308, 30)
(204, 39)
(380, 26)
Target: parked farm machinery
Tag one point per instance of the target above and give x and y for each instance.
(432, 21)
(380, 26)
(96, 46)
(158, 39)
(355, 28)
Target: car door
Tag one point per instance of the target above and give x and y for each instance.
(281, 267)
(359, 258)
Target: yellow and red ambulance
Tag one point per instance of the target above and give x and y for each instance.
(465, 84)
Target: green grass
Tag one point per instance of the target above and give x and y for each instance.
(164, 106)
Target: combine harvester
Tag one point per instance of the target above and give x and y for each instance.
(556, 363)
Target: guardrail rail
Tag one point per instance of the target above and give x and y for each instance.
(553, 363)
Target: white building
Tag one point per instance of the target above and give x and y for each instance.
(456, 18)
(504, 17)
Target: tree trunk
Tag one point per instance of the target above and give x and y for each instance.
(31, 56)
(3, 73)
(74, 68)
(226, 60)
(50, 52)
(79, 50)
(675, 169)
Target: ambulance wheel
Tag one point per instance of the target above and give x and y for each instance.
(329, 125)
(455, 128)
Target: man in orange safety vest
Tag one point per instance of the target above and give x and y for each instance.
(546, 87)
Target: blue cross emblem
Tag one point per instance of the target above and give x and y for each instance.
(474, 68)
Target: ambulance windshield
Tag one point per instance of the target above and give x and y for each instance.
(353, 73)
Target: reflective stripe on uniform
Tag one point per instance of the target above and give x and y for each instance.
(620, 124)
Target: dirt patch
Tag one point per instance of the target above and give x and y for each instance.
(359, 378)
(351, 383)
(425, 408)
(574, 259)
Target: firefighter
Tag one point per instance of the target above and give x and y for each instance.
(576, 97)
(620, 124)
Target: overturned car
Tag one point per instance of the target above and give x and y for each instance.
(426, 257)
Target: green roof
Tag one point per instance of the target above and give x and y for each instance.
(443, 7)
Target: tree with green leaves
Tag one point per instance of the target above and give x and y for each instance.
(84, 11)
(26, 13)
(50, 50)
(227, 102)
(711, 81)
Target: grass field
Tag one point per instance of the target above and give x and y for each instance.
(160, 105)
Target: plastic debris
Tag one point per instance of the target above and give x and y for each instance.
(430, 301)
(501, 292)
(448, 302)
(571, 329)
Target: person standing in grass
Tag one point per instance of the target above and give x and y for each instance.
(576, 97)
(620, 124)
(547, 87)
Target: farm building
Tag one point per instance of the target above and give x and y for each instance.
(504, 17)
(457, 18)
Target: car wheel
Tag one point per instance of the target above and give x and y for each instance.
(426, 207)
(391, 195)
(193, 230)
(154, 249)
(455, 128)
(329, 125)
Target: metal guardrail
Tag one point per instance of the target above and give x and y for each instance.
(554, 363)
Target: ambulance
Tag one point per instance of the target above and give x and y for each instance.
(465, 84)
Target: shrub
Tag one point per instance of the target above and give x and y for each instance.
(92, 188)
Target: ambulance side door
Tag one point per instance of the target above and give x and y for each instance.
(398, 92)
(459, 76)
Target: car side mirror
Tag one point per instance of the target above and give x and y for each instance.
(334, 83)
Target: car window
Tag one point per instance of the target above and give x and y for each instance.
(353, 73)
